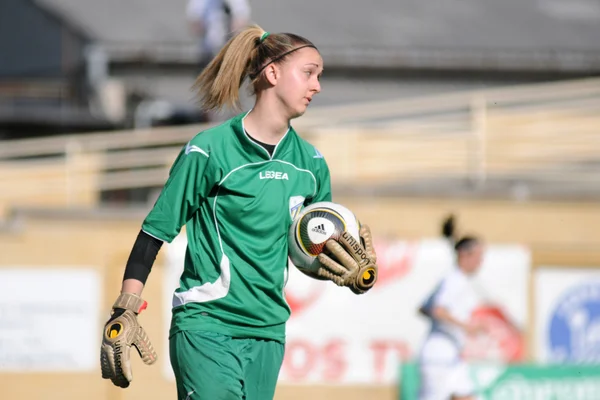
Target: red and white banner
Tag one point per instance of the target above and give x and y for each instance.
(337, 337)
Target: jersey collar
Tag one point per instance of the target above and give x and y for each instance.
(254, 148)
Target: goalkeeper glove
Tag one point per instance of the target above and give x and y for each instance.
(349, 262)
(120, 333)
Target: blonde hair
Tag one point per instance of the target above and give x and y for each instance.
(244, 56)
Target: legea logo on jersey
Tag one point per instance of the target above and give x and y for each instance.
(273, 175)
(574, 331)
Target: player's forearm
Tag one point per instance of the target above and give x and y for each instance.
(441, 314)
(196, 27)
(132, 286)
(142, 257)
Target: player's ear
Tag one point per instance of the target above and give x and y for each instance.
(272, 73)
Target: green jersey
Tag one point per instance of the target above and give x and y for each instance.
(237, 202)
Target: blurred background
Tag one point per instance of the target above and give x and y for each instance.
(485, 110)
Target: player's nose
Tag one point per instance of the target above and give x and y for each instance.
(316, 86)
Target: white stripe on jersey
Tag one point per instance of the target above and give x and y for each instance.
(192, 148)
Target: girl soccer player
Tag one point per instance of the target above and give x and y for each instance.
(444, 376)
(235, 187)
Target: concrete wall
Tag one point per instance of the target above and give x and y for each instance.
(566, 234)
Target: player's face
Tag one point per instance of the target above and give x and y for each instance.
(470, 260)
(299, 83)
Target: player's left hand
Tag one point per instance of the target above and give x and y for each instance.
(353, 263)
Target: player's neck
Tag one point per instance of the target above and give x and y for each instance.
(265, 125)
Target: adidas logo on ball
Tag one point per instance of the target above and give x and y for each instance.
(320, 229)
(313, 227)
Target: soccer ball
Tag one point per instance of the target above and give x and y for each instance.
(312, 228)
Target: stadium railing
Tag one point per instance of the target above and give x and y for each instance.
(544, 132)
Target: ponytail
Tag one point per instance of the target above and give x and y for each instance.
(449, 232)
(219, 84)
(448, 228)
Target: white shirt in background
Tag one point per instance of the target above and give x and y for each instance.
(211, 15)
(442, 371)
(457, 295)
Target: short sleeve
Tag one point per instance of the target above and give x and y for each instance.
(189, 183)
(449, 291)
(323, 179)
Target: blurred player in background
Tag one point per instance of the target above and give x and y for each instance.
(234, 187)
(214, 22)
(444, 375)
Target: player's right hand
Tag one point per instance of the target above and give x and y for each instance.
(120, 333)
(475, 328)
(352, 265)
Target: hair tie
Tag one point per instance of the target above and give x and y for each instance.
(264, 36)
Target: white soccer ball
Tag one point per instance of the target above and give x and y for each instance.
(312, 228)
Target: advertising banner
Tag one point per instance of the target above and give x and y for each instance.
(567, 320)
(520, 382)
(49, 320)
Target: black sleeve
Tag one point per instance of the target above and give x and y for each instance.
(142, 257)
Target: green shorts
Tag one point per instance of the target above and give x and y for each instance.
(212, 366)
